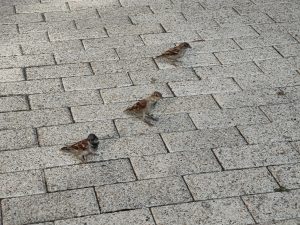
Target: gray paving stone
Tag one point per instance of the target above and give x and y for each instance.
(206, 86)
(292, 93)
(285, 222)
(228, 117)
(186, 7)
(46, 223)
(125, 30)
(18, 2)
(57, 71)
(21, 183)
(51, 206)
(249, 18)
(26, 138)
(221, 211)
(41, 8)
(288, 176)
(124, 66)
(67, 134)
(137, 217)
(188, 26)
(64, 99)
(92, 174)
(256, 155)
(21, 18)
(289, 50)
(214, 46)
(274, 206)
(157, 18)
(280, 17)
(30, 87)
(76, 34)
(8, 75)
(46, 26)
(78, 5)
(13, 103)
(144, 2)
(8, 29)
(174, 164)
(265, 29)
(215, 4)
(99, 23)
(124, 10)
(113, 42)
(280, 64)
(202, 139)
(9, 50)
(293, 29)
(23, 38)
(97, 82)
(282, 112)
(72, 15)
(166, 124)
(230, 183)
(52, 47)
(133, 93)
(140, 194)
(25, 61)
(6, 10)
(247, 55)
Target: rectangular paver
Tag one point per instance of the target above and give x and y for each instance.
(288, 176)
(26, 61)
(76, 34)
(124, 30)
(8, 75)
(9, 50)
(46, 26)
(282, 112)
(72, 15)
(13, 103)
(47, 7)
(21, 18)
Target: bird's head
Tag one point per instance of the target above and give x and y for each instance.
(156, 95)
(93, 139)
(185, 45)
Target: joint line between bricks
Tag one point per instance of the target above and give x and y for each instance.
(242, 135)
(134, 173)
(277, 51)
(259, 107)
(97, 200)
(236, 43)
(216, 157)
(150, 209)
(164, 143)
(248, 210)
(45, 181)
(1, 213)
(273, 176)
(187, 188)
(216, 101)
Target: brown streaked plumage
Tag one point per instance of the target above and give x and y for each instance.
(173, 54)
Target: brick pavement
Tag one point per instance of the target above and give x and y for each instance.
(226, 148)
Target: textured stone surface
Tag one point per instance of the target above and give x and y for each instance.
(14, 103)
(287, 175)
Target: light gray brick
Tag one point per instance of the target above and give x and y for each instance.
(124, 66)
(287, 175)
(282, 112)
(174, 164)
(70, 133)
(76, 34)
(249, 18)
(270, 28)
(113, 42)
(99, 23)
(214, 46)
(41, 8)
(26, 138)
(250, 98)
(140, 194)
(56, 71)
(9, 75)
(293, 29)
(21, 183)
(9, 50)
(228, 117)
(52, 47)
(162, 76)
(280, 17)
(232, 70)
(206, 86)
(92, 174)
(256, 155)
(157, 18)
(64, 99)
(201, 139)
(221, 211)
(274, 206)
(125, 30)
(6, 10)
(144, 2)
(51, 206)
(216, 4)
(166, 124)
(289, 50)
(156, 39)
(46, 223)
(35, 118)
(96, 82)
(26, 61)
(136, 217)
(280, 64)
(188, 26)
(30, 87)
(21, 18)
(13, 103)
(124, 10)
(8, 29)
(85, 56)
(46, 26)
(79, 5)
(18, 2)
(283, 222)
(23, 38)
(230, 183)
(292, 93)
(186, 7)
(72, 15)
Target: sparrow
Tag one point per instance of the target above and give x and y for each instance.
(145, 106)
(173, 54)
(84, 147)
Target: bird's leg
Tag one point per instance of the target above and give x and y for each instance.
(150, 116)
(82, 158)
(145, 116)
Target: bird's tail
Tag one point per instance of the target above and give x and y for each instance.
(65, 149)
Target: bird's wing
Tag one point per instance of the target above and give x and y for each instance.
(140, 105)
(172, 51)
(81, 145)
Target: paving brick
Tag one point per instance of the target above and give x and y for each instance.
(132, 93)
(26, 138)
(137, 217)
(157, 18)
(140, 194)
(99, 23)
(96, 82)
(280, 17)
(56, 71)
(24, 61)
(274, 206)
(280, 64)
(21, 183)
(79, 5)
(41, 8)
(174, 164)
(113, 42)
(67, 134)
(265, 29)
(51, 206)
(228, 117)
(287, 175)
(249, 18)
(125, 30)
(128, 11)
(285, 222)
(293, 29)
(162, 76)
(64, 99)
(144, 2)
(72, 15)
(92, 174)
(230, 183)
(8, 29)
(30, 87)
(18, 2)
(46, 26)
(21, 18)
(46, 223)
(201, 139)
(206, 86)
(124, 66)
(221, 211)
(76, 34)
(289, 50)
(216, 4)
(292, 93)
(214, 46)
(23, 38)
(256, 155)
(282, 112)
(9, 50)
(36, 118)
(186, 7)
(8, 75)
(6, 10)
(166, 124)
(14, 103)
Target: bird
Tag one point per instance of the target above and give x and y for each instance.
(145, 106)
(84, 147)
(173, 54)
